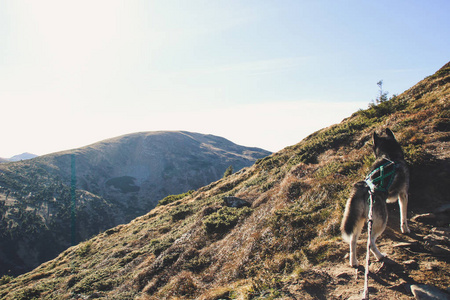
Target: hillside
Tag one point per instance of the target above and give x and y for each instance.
(113, 182)
(286, 244)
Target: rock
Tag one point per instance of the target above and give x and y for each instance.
(235, 202)
(428, 292)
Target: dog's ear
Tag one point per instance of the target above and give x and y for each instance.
(390, 133)
(375, 138)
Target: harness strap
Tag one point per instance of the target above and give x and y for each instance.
(375, 184)
(372, 183)
(369, 238)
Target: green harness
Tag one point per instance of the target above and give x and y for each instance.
(382, 177)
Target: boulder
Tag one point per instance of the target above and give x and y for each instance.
(428, 292)
(236, 202)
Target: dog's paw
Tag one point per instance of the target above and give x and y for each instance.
(382, 257)
(405, 229)
(354, 263)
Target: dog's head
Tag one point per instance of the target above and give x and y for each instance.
(387, 145)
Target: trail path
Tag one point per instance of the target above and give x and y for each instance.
(416, 261)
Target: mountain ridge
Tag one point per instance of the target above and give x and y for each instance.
(115, 180)
(286, 244)
(23, 156)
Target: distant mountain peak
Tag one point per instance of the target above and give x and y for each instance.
(23, 156)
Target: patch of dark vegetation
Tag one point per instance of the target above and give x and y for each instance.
(125, 184)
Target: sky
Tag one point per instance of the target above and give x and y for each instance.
(259, 73)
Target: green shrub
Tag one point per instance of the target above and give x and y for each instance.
(27, 294)
(84, 249)
(383, 109)
(197, 263)
(180, 212)
(294, 190)
(224, 219)
(416, 154)
(173, 198)
(97, 280)
(5, 279)
(335, 167)
(157, 246)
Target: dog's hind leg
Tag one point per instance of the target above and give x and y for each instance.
(403, 204)
(353, 239)
(380, 216)
(374, 249)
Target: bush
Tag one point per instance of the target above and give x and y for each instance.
(157, 247)
(173, 198)
(97, 280)
(84, 249)
(197, 263)
(27, 294)
(180, 212)
(384, 108)
(224, 219)
(5, 279)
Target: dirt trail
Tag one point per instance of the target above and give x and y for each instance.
(423, 257)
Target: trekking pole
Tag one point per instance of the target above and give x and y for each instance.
(369, 238)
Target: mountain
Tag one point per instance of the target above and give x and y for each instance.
(51, 202)
(278, 238)
(22, 156)
(18, 157)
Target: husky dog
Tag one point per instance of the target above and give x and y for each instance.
(384, 187)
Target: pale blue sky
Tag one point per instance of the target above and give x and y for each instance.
(260, 73)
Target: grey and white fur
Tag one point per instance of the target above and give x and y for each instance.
(357, 207)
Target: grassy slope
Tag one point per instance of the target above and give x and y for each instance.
(195, 247)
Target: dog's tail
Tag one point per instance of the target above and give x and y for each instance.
(354, 210)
